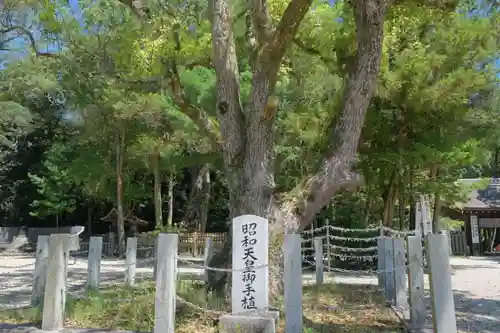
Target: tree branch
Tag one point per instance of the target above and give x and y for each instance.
(288, 27)
(311, 50)
(28, 34)
(272, 52)
(130, 4)
(261, 21)
(142, 11)
(334, 172)
(197, 114)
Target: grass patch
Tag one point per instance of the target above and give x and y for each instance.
(347, 309)
(328, 308)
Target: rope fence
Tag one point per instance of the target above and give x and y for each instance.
(395, 260)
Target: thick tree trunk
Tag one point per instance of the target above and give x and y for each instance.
(157, 197)
(120, 147)
(248, 135)
(205, 203)
(199, 199)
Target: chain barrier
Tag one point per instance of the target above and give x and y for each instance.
(342, 238)
(354, 249)
(18, 266)
(346, 253)
(354, 239)
(215, 269)
(256, 312)
(345, 257)
(357, 272)
(77, 288)
(367, 230)
(12, 286)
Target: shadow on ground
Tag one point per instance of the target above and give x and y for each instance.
(473, 314)
(342, 308)
(476, 314)
(17, 283)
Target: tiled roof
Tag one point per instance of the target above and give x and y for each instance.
(484, 197)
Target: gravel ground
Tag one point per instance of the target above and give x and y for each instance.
(16, 276)
(476, 284)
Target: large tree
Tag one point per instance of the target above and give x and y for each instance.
(246, 113)
(247, 137)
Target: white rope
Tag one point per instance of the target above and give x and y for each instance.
(215, 269)
(345, 257)
(359, 272)
(17, 266)
(367, 230)
(353, 249)
(353, 230)
(354, 239)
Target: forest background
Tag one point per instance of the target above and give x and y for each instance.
(106, 105)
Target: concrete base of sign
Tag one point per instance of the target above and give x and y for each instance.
(247, 324)
(274, 313)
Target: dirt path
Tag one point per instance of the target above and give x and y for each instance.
(16, 275)
(476, 284)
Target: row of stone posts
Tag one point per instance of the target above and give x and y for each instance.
(394, 274)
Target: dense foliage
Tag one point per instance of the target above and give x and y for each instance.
(94, 123)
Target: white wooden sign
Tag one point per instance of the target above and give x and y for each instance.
(250, 277)
(474, 229)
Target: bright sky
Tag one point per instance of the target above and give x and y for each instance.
(21, 43)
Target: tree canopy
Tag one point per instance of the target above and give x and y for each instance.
(212, 109)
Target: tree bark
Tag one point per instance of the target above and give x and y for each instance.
(199, 199)
(389, 197)
(401, 205)
(157, 197)
(436, 225)
(401, 194)
(335, 171)
(368, 207)
(205, 203)
(248, 135)
(120, 223)
(171, 184)
(412, 199)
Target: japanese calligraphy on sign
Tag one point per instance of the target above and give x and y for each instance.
(250, 280)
